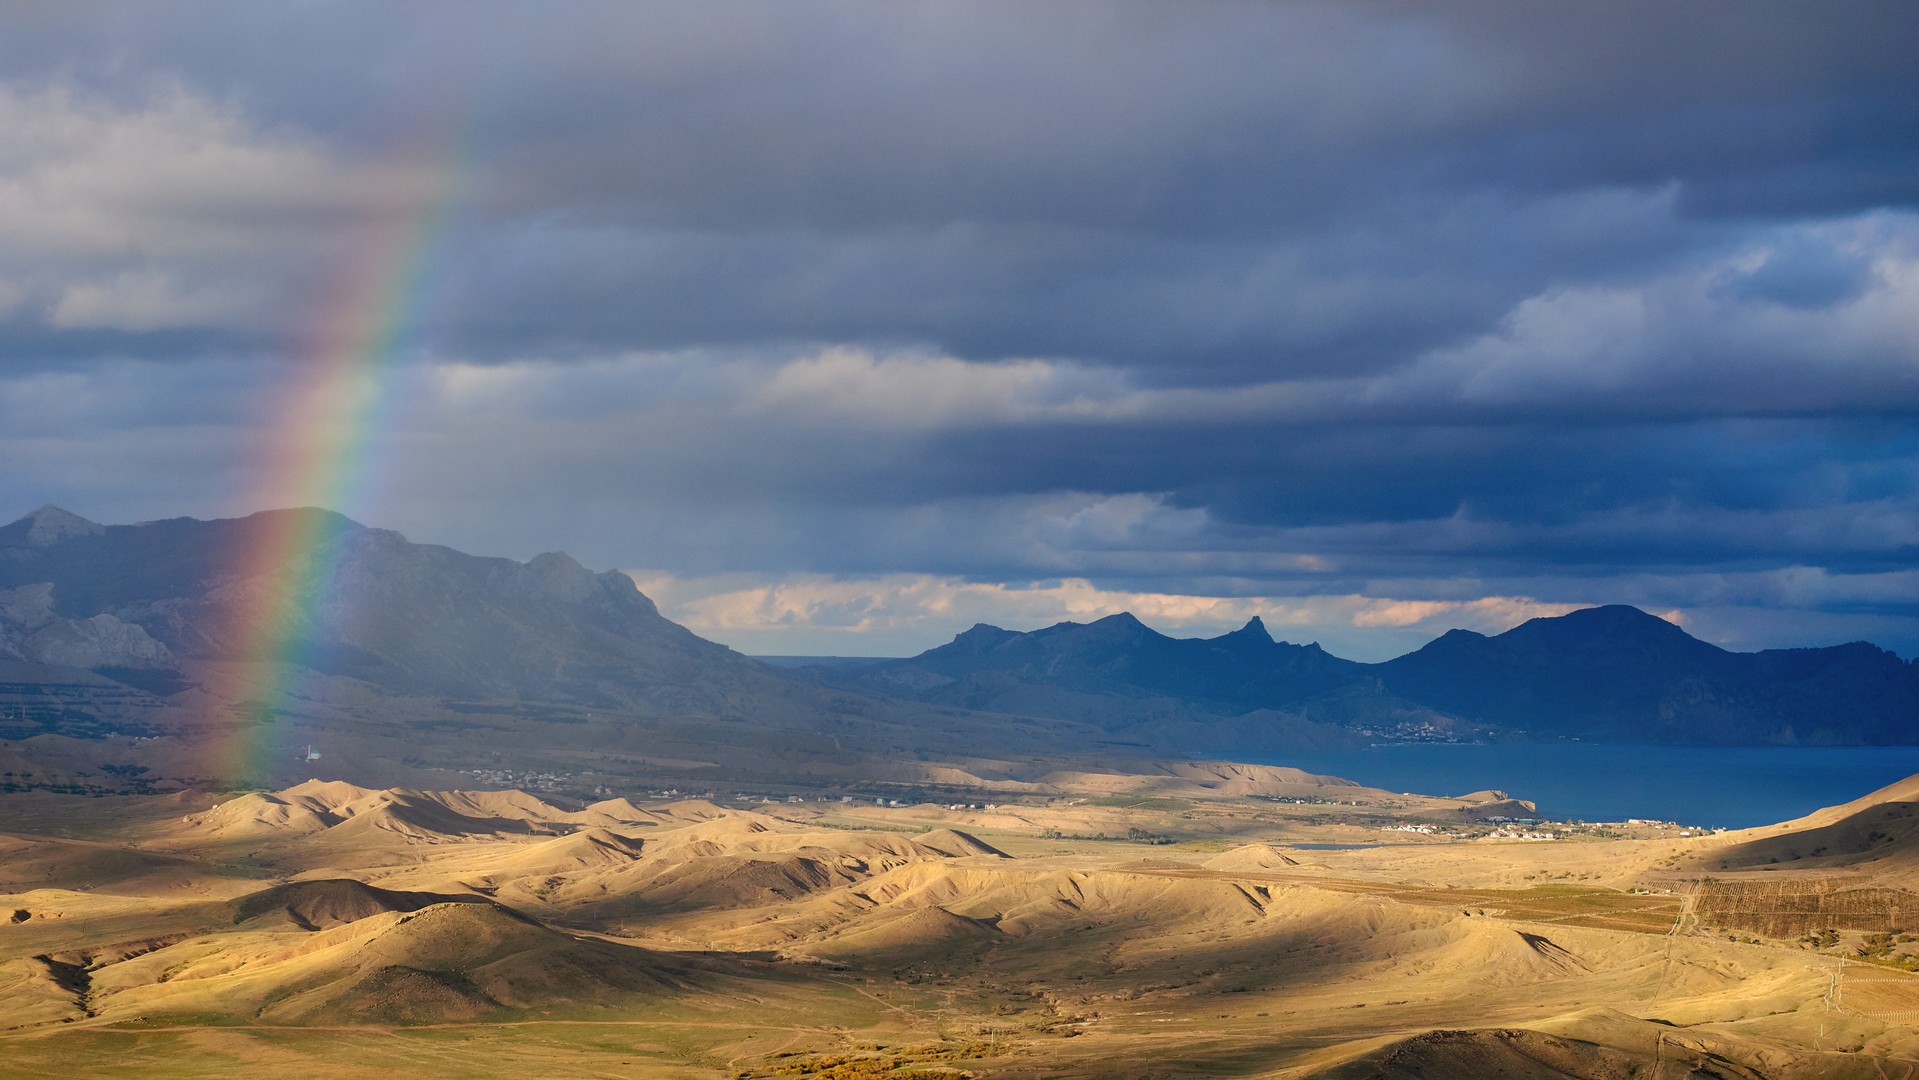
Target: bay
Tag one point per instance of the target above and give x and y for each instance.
(1735, 787)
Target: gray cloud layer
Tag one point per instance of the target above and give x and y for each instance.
(1267, 300)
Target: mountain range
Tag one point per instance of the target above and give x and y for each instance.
(414, 618)
(1606, 673)
(134, 649)
(401, 656)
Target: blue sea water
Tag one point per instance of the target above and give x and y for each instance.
(1736, 787)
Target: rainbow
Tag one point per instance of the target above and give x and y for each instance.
(316, 456)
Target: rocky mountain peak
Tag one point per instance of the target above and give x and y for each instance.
(1254, 630)
(559, 576)
(49, 525)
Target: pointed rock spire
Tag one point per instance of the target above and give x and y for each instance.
(1255, 629)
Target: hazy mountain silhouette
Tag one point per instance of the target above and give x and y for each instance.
(408, 617)
(1611, 673)
(1617, 672)
(151, 629)
(1119, 655)
(129, 621)
(1219, 695)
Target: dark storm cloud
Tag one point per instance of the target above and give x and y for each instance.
(1330, 298)
(1130, 183)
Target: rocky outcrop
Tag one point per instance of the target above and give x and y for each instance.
(31, 631)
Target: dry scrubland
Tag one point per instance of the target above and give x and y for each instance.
(339, 931)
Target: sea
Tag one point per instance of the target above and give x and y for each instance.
(1714, 786)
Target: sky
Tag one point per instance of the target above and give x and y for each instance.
(844, 326)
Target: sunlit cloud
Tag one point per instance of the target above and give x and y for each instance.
(170, 209)
(808, 610)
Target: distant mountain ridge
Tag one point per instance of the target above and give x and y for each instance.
(406, 656)
(416, 652)
(1244, 667)
(1609, 673)
(1617, 672)
(410, 617)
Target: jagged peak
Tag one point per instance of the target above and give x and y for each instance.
(52, 512)
(1122, 626)
(554, 558)
(555, 575)
(557, 563)
(50, 525)
(977, 639)
(1254, 630)
(1124, 619)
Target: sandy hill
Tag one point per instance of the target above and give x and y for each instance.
(1499, 1054)
(590, 851)
(590, 847)
(342, 800)
(410, 816)
(354, 812)
(616, 813)
(775, 946)
(1020, 902)
(325, 903)
(1496, 808)
(694, 855)
(692, 810)
(740, 860)
(914, 932)
(255, 815)
(1206, 779)
(38, 990)
(1250, 858)
(446, 961)
(1899, 791)
(1230, 772)
(511, 804)
(979, 904)
(956, 845)
(1155, 926)
(42, 862)
(1879, 832)
(325, 796)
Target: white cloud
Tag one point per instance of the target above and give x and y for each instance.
(918, 392)
(1694, 339)
(174, 210)
(147, 300)
(176, 175)
(901, 613)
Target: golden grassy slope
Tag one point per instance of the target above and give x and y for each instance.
(493, 933)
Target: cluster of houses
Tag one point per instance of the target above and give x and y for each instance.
(525, 781)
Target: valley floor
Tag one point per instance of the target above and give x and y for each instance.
(337, 931)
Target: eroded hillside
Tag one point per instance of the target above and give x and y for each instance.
(1189, 929)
